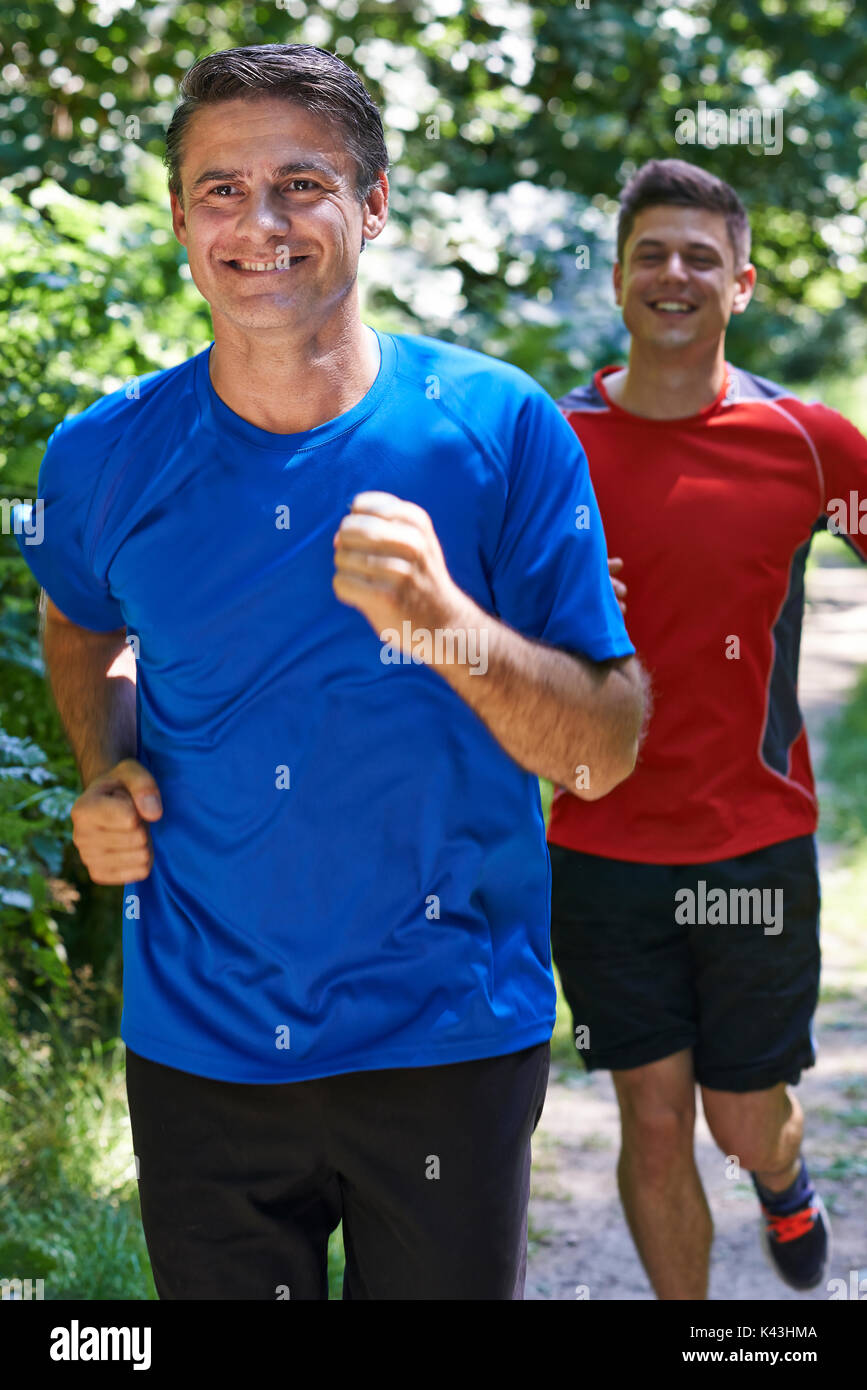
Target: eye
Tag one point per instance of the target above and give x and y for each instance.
(221, 186)
(310, 182)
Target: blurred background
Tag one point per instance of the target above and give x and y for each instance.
(511, 129)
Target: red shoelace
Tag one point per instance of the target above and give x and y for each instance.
(791, 1227)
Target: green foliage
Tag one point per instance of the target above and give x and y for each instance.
(54, 922)
(69, 1210)
(95, 297)
(511, 129)
(336, 1263)
(33, 809)
(845, 766)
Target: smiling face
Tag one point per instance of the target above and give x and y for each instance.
(678, 284)
(270, 216)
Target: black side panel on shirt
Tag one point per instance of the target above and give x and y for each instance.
(784, 720)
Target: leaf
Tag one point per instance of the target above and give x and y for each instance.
(58, 803)
(13, 897)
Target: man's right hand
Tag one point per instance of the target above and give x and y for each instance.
(110, 823)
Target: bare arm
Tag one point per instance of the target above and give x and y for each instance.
(92, 678)
(564, 717)
(96, 706)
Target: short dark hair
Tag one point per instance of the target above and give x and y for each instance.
(676, 182)
(314, 79)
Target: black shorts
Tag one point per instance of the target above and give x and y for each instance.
(643, 981)
(428, 1168)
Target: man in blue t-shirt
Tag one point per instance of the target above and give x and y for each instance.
(364, 581)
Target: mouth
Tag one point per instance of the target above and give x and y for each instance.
(672, 307)
(265, 267)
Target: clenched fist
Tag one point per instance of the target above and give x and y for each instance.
(390, 566)
(110, 823)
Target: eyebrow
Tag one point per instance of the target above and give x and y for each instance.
(691, 246)
(304, 166)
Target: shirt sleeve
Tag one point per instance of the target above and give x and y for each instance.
(842, 459)
(54, 534)
(550, 576)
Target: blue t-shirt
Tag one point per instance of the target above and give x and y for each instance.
(350, 872)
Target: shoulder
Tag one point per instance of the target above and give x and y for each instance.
(823, 426)
(584, 400)
(746, 386)
(466, 369)
(106, 421)
(498, 406)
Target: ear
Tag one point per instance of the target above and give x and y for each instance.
(179, 221)
(746, 282)
(617, 280)
(375, 210)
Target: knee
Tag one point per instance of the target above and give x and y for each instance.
(752, 1153)
(759, 1136)
(657, 1130)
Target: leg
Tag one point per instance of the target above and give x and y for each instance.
(757, 976)
(762, 1129)
(626, 972)
(758, 989)
(659, 1185)
(236, 1200)
(434, 1167)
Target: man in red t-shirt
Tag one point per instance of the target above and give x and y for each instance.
(685, 904)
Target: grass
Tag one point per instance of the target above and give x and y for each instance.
(69, 1205)
(69, 1209)
(335, 1263)
(83, 1245)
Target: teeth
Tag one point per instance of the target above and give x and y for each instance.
(264, 265)
(670, 305)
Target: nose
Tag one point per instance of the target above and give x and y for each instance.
(262, 215)
(674, 268)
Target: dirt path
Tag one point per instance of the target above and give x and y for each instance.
(578, 1233)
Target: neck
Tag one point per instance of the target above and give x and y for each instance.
(668, 385)
(289, 380)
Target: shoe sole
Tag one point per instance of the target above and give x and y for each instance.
(826, 1264)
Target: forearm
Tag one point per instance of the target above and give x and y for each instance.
(556, 714)
(98, 710)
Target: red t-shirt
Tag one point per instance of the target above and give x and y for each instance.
(713, 516)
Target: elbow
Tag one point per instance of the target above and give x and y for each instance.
(626, 734)
(619, 769)
(606, 777)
